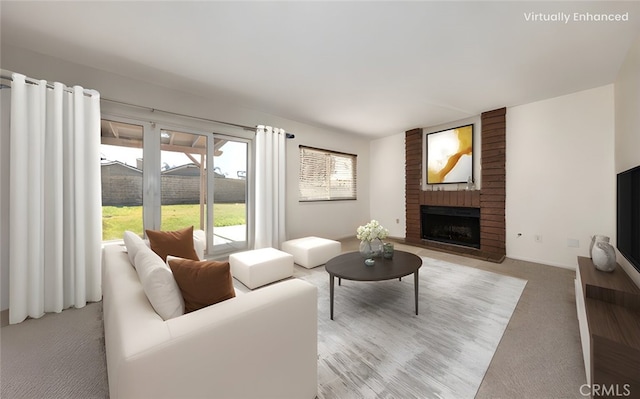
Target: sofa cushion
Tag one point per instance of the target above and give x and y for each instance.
(176, 243)
(202, 283)
(199, 243)
(158, 284)
(133, 242)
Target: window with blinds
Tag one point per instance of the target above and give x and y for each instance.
(327, 175)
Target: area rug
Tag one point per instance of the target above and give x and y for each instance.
(376, 347)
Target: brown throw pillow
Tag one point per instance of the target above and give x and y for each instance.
(202, 283)
(177, 243)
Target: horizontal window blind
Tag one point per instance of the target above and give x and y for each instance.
(326, 175)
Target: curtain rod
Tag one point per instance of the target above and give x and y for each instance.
(251, 128)
(86, 92)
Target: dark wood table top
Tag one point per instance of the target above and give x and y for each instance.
(350, 266)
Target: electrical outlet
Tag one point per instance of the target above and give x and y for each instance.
(537, 238)
(397, 221)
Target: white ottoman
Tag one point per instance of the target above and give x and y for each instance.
(312, 251)
(261, 266)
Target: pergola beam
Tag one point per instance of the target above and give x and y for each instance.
(114, 130)
(193, 159)
(164, 147)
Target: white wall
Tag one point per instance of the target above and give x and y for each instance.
(328, 219)
(387, 187)
(627, 117)
(560, 176)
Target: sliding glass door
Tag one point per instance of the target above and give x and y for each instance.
(186, 184)
(167, 178)
(183, 180)
(121, 170)
(230, 194)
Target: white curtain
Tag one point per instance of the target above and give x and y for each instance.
(55, 199)
(270, 187)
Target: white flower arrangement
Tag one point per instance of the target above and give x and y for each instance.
(371, 231)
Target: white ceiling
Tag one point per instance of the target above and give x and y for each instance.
(373, 68)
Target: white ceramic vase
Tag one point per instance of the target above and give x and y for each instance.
(603, 256)
(594, 240)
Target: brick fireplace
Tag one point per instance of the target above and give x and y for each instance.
(489, 200)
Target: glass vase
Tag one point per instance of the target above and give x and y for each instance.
(388, 250)
(371, 249)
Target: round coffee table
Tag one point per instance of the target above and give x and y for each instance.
(350, 266)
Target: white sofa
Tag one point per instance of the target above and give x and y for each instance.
(260, 344)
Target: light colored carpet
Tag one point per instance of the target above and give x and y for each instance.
(376, 347)
(58, 356)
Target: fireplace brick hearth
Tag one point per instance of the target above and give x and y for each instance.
(490, 198)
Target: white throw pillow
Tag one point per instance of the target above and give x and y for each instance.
(199, 244)
(133, 242)
(158, 284)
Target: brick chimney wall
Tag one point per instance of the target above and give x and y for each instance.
(490, 198)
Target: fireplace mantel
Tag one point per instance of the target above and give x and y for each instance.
(490, 198)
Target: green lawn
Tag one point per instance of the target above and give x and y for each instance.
(117, 219)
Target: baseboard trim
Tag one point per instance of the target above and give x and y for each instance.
(546, 263)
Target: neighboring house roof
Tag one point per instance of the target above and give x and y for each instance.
(189, 169)
(118, 163)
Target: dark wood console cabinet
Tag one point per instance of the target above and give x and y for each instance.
(609, 317)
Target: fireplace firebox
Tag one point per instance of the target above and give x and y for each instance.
(451, 225)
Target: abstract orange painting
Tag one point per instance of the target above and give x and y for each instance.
(450, 155)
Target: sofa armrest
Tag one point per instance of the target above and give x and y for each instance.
(259, 345)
